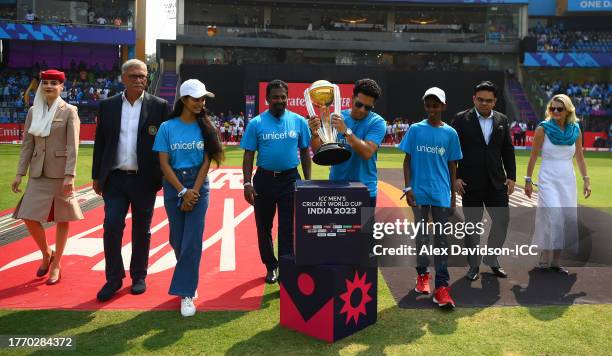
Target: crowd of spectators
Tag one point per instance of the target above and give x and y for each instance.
(557, 38)
(96, 18)
(106, 19)
(396, 129)
(590, 99)
(13, 86)
(229, 126)
(84, 86)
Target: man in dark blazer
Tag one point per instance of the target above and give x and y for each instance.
(487, 172)
(126, 174)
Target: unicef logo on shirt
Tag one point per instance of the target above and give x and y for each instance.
(179, 146)
(431, 149)
(279, 136)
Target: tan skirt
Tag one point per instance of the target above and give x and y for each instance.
(44, 201)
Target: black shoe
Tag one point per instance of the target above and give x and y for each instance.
(472, 273)
(271, 276)
(139, 286)
(42, 271)
(499, 272)
(108, 290)
(559, 269)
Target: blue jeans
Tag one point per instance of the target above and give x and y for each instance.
(186, 230)
(439, 215)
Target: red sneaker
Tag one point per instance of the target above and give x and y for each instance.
(442, 298)
(422, 284)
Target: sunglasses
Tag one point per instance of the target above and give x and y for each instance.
(359, 105)
(485, 101)
(556, 108)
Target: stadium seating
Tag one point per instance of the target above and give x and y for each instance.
(83, 86)
(557, 39)
(590, 99)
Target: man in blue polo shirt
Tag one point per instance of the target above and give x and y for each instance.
(432, 149)
(361, 131)
(276, 135)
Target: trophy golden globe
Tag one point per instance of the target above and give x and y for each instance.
(323, 94)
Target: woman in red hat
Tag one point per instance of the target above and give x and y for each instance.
(50, 147)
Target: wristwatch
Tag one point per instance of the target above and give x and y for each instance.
(182, 192)
(348, 132)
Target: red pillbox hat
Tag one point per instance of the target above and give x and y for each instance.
(53, 74)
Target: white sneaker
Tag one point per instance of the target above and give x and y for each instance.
(187, 307)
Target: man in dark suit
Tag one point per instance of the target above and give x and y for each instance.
(126, 173)
(487, 172)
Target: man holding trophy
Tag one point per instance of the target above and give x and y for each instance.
(347, 140)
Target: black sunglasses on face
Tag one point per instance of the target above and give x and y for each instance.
(557, 109)
(359, 105)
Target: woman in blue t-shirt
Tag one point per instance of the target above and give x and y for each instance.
(187, 143)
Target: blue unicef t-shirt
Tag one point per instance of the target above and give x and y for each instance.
(182, 142)
(276, 140)
(430, 149)
(371, 128)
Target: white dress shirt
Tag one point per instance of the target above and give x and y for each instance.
(128, 135)
(486, 125)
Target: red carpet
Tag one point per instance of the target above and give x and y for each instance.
(231, 273)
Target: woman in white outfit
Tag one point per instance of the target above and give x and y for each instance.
(559, 140)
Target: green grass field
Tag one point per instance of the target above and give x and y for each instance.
(552, 330)
(547, 330)
(599, 165)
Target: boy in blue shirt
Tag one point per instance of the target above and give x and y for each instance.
(432, 149)
(276, 135)
(361, 131)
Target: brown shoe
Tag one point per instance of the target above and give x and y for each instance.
(53, 281)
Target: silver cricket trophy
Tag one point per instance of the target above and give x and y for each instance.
(322, 94)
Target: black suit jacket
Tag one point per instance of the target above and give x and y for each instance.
(153, 112)
(483, 164)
